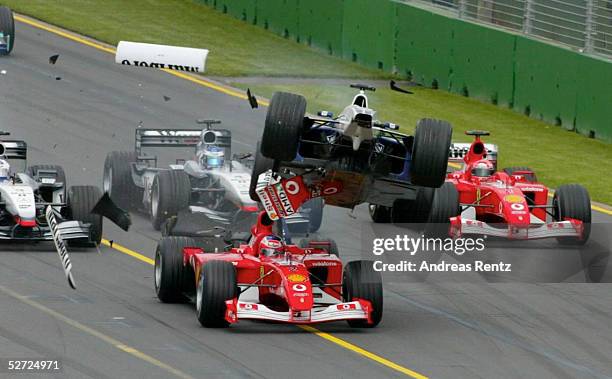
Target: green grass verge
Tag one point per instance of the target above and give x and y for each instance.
(557, 156)
(239, 49)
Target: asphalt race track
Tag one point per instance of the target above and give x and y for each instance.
(113, 326)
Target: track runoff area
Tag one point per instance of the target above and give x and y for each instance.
(382, 245)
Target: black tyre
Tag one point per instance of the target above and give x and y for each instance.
(573, 201)
(60, 178)
(413, 211)
(7, 28)
(283, 127)
(172, 278)
(117, 180)
(445, 205)
(379, 213)
(170, 193)
(360, 281)
(432, 140)
(327, 244)
(216, 285)
(81, 200)
(316, 214)
(261, 165)
(529, 177)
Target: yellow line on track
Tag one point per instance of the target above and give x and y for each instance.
(127, 251)
(94, 333)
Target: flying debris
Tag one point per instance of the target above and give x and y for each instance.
(167, 98)
(252, 99)
(394, 87)
(53, 58)
(107, 208)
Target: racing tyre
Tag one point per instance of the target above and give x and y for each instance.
(60, 178)
(7, 28)
(432, 140)
(81, 200)
(413, 211)
(117, 180)
(360, 281)
(283, 127)
(316, 214)
(320, 243)
(573, 201)
(261, 165)
(531, 178)
(216, 285)
(172, 278)
(170, 193)
(379, 214)
(445, 205)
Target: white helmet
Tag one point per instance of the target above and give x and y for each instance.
(5, 169)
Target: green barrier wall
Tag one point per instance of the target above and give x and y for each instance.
(544, 81)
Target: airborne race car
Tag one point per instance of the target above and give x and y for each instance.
(292, 284)
(511, 203)
(348, 160)
(25, 198)
(210, 185)
(7, 30)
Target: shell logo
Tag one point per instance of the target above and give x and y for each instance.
(513, 198)
(296, 278)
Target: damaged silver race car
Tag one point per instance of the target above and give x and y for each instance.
(35, 203)
(209, 184)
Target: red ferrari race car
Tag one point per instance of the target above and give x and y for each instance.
(286, 283)
(510, 203)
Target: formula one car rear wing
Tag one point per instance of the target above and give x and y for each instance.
(14, 149)
(458, 151)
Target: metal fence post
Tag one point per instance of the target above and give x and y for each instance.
(589, 27)
(461, 9)
(528, 16)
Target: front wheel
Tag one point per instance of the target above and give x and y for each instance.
(432, 140)
(283, 126)
(573, 201)
(216, 285)
(445, 205)
(7, 29)
(172, 278)
(170, 193)
(81, 200)
(361, 281)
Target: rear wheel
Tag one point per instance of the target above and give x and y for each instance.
(413, 211)
(172, 278)
(531, 178)
(283, 126)
(261, 165)
(7, 28)
(445, 205)
(170, 193)
(380, 214)
(573, 201)
(217, 284)
(432, 140)
(316, 214)
(117, 180)
(360, 281)
(81, 200)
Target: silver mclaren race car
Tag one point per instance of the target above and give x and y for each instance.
(209, 184)
(35, 204)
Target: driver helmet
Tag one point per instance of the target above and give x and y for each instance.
(5, 169)
(483, 168)
(271, 246)
(212, 156)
